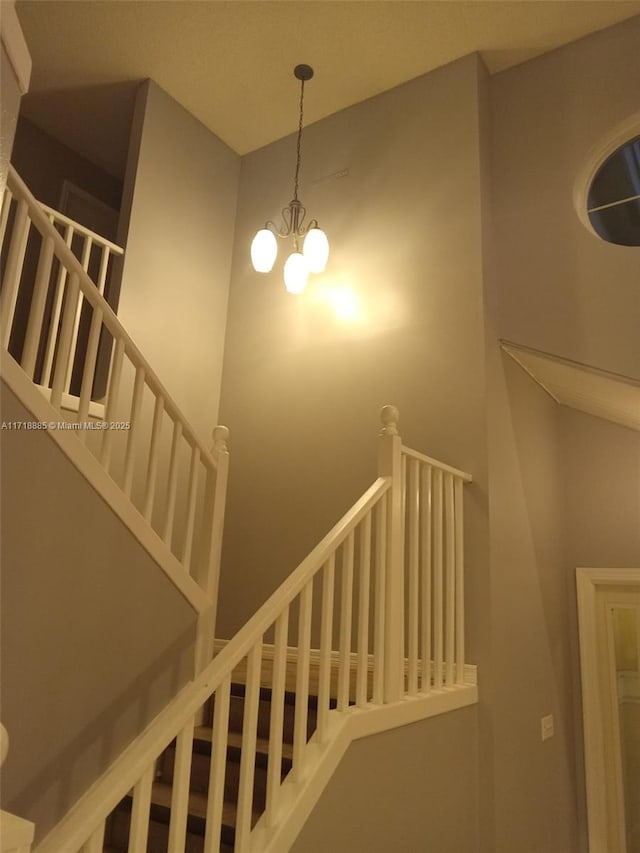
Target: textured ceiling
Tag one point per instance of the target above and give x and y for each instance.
(230, 63)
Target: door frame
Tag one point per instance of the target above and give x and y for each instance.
(599, 733)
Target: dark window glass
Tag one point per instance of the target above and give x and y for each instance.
(614, 196)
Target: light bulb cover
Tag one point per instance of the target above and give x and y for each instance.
(264, 250)
(296, 273)
(316, 250)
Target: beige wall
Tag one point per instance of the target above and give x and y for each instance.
(410, 789)
(528, 674)
(44, 164)
(95, 639)
(302, 389)
(602, 476)
(561, 289)
(177, 222)
(563, 486)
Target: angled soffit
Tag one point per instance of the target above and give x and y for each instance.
(596, 392)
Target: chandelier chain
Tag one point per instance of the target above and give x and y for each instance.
(295, 184)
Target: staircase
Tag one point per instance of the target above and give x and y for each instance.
(118, 824)
(366, 634)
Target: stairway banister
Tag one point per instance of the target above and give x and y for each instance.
(81, 229)
(96, 300)
(414, 454)
(74, 829)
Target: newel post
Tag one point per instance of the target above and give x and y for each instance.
(215, 505)
(220, 451)
(390, 465)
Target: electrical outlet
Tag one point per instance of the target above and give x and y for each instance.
(546, 727)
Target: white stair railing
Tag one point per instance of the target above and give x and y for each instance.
(338, 597)
(97, 256)
(141, 439)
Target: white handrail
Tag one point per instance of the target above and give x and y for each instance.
(359, 545)
(129, 444)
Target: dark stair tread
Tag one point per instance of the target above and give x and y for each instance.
(224, 848)
(234, 740)
(161, 796)
(238, 690)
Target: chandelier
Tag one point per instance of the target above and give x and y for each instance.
(315, 248)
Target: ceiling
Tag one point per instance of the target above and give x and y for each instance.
(229, 62)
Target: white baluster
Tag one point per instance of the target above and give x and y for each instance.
(89, 371)
(113, 393)
(180, 789)
(248, 757)
(214, 510)
(426, 568)
(302, 682)
(276, 721)
(218, 766)
(438, 560)
(13, 271)
(459, 559)
(413, 507)
(379, 612)
(450, 576)
(102, 275)
(139, 830)
(364, 577)
(4, 213)
(191, 508)
(326, 636)
(64, 355)
(136, 405)
(36, 312)
(86, 254)
(172, 483)
(346, 618)
(152, 467)
(95, 842)
(55, 313)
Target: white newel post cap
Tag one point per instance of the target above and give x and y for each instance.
(389, 415)
(220, 438)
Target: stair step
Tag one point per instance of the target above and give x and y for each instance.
(117, 834)
(203, 737)
(236, 713)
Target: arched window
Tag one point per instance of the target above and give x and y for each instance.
(613, 202)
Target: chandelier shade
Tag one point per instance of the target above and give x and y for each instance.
(296, 273)
(315, 250)
(264, 250)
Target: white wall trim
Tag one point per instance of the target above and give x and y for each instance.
(606, 145)
(588, 582)
(32, 398)
(15, 44)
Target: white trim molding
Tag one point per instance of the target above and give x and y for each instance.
(15, 44)
(590, 582)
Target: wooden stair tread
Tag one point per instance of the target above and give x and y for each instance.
(234, 739)
(161, 796)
